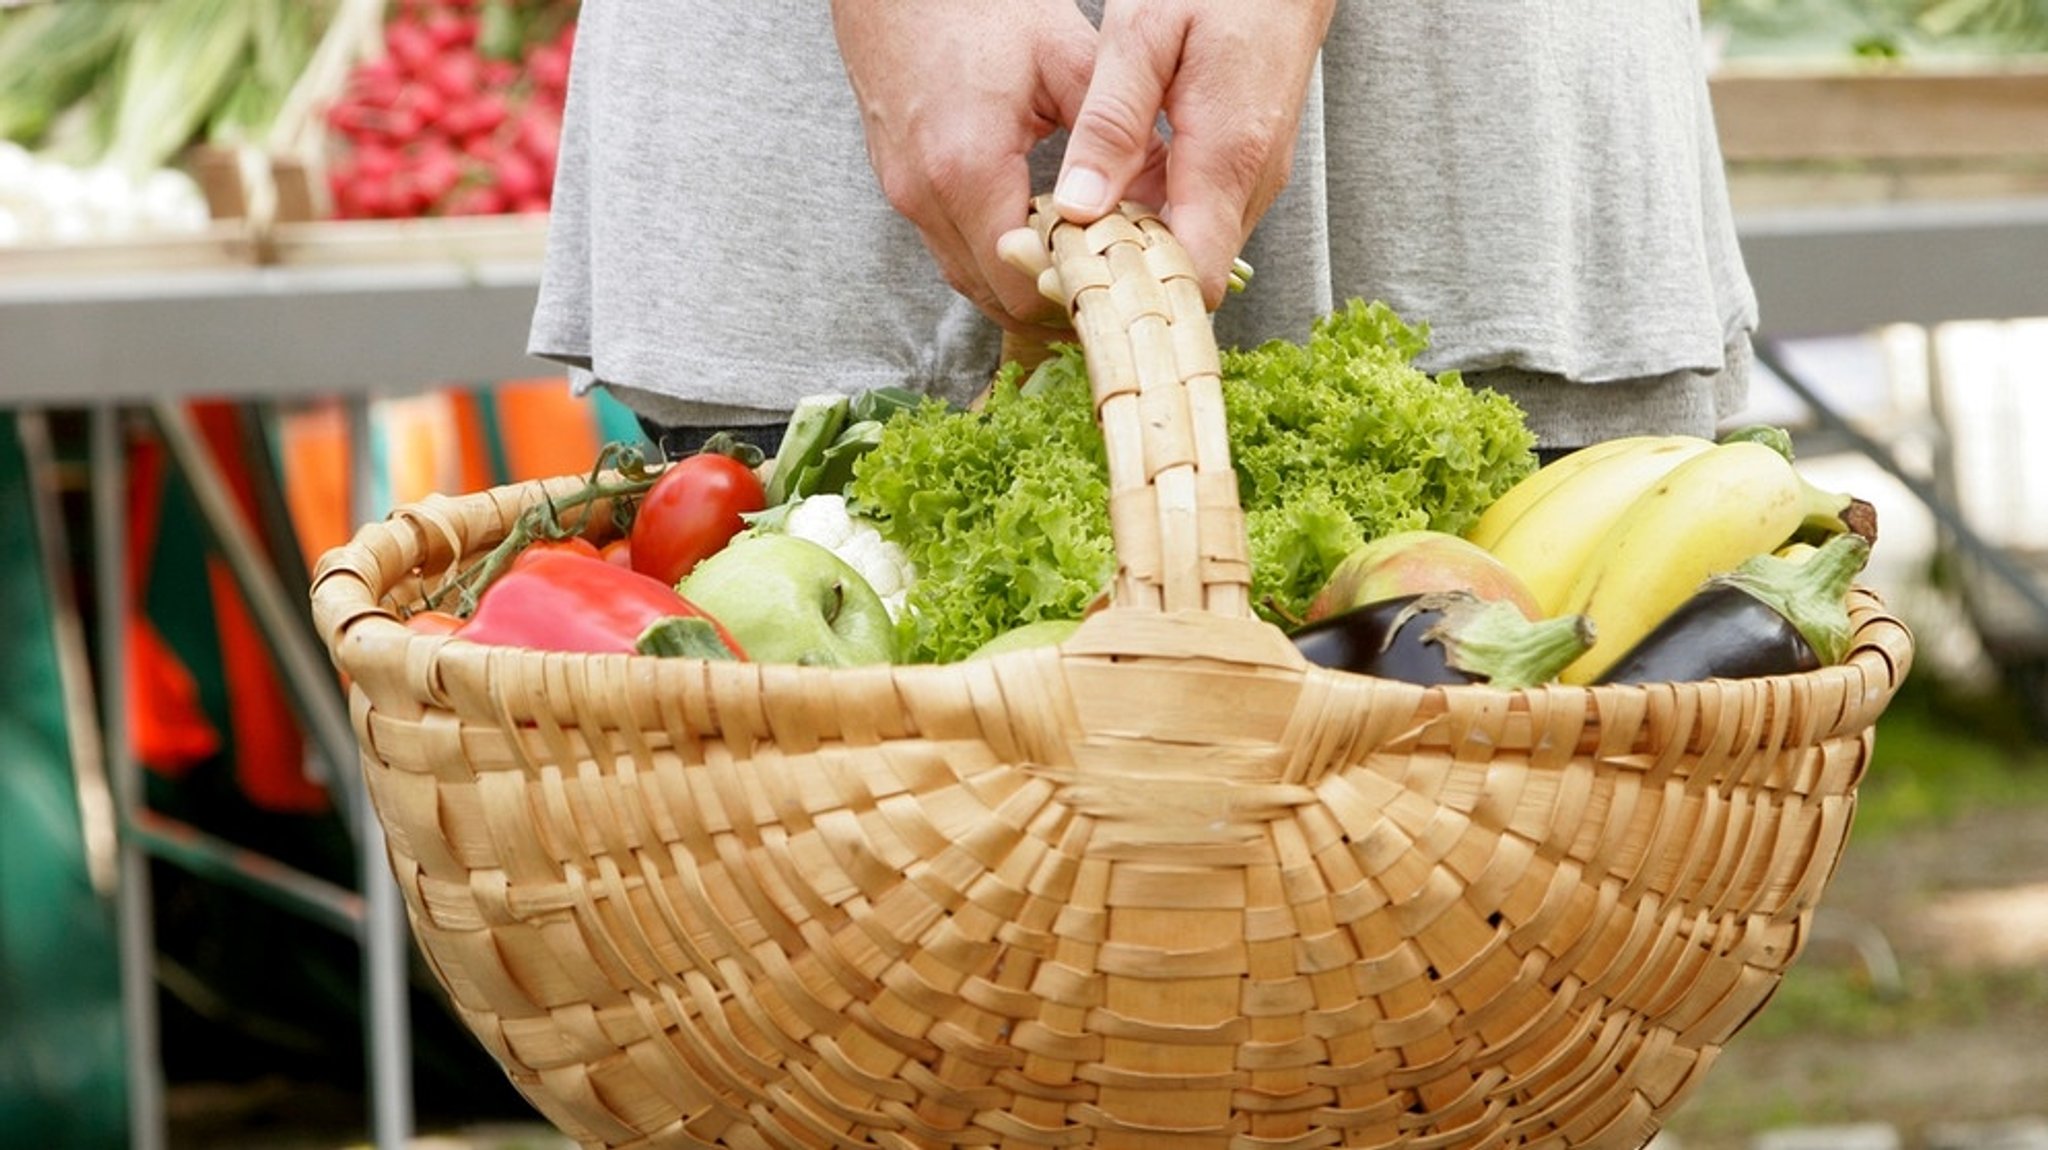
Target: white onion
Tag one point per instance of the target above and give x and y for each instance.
(50, 202)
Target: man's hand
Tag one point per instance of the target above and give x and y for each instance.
(953, 96)
(1231, 78)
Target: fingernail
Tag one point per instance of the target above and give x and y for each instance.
(1082, 190)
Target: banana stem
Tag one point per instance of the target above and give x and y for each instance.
(1830, 513)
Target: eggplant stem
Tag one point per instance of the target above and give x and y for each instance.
(1811, 593)
(1494, 641)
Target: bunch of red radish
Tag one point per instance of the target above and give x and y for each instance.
(460, 115)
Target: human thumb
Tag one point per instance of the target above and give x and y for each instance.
(1113, 136)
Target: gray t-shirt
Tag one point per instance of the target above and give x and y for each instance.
(1539, 181)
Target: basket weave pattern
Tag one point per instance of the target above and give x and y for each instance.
(1166, 885)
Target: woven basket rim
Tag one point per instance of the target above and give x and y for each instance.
(349, 604)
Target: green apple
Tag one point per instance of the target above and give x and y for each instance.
(1415, 563)
(1042, 633)
(789, 600)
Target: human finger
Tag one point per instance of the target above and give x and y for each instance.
(1114, 141)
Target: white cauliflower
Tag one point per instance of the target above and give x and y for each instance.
(825, 519)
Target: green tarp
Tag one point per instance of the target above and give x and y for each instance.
(61, 1071)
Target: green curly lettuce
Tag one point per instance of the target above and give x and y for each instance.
(1003, 512)
(1336, 441)
(1342, 440)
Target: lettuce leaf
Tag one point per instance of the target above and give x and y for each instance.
(1336, 440)
(1003, 512)
(1341, 440)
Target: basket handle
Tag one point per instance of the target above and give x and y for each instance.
(1137, 309)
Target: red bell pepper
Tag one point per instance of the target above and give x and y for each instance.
(558, 599)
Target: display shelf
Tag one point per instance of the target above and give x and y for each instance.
(334, 309)
(223, 244)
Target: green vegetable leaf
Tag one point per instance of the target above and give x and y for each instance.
(880, 404)
(1003, 512)
(833, 468)
(1337, 440)
(812, 427)
(683, 637)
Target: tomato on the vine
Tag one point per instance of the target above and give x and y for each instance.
(433, 622)
(575, 544)
(692, 509)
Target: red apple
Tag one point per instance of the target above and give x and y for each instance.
(1415, 563)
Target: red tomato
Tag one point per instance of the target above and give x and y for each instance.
(619, 553)
(433, 623)
(691, 511)
(575, 544)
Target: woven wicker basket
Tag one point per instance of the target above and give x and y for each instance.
(1164, 886)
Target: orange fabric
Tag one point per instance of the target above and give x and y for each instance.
(168, 729)
(314, 461)
(546, 430)
(433, 443)
(420, 446)
(270, 752)
(473, 451)
(269, 749)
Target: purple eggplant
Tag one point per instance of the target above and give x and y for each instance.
(1445, 637)
(1770, 616)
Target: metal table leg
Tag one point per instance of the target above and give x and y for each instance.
(387, 1023)
(383, 934)
(385, 939)
(386, 936)
(135, 921)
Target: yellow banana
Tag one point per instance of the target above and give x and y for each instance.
(1551, 541)
(1501, 514)
(1707, 516)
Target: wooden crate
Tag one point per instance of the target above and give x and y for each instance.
(1796, 135)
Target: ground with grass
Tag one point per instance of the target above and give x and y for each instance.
(1923, 995)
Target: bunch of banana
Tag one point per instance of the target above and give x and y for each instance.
(1625, 531)
(1546, 527)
